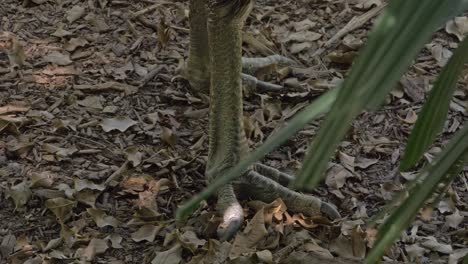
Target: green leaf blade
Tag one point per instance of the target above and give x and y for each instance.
(432, 118)
(395, 41)
(449, 162)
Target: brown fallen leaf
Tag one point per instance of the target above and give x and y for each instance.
(95, 247)
(118, 123)
(101, 218)
(58, 58)
(146, 232)
(61, 207)
(75, 13)
(246, 241)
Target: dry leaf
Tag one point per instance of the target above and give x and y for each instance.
(119, 123)
(458, 27)
(75, 13)
(171, 256)
(61, 207)
(58, 58)
(454, 219)
(245, 242)
(146, 232)
(95, 247)
(101, 218)
(20, 194)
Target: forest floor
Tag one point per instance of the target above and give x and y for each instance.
(93, 90)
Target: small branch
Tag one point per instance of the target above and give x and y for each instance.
(356, 22)
(114, 176)
(146, 10)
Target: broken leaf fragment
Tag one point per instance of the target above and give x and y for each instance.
(58, 58)
(190, 241)
(168, 136)
(75, 13)
(61, 207)
(171, 256)
(246, 242)
(458, 27)
(118, 123)
(115, 240)
(58, 151)
(95, 247)
(146, 232)
(20, 194)
(81, 184)
(133, 155)
(101, 218)
(91, 102)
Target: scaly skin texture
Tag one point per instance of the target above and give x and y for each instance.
(228, 142)
(226, 132)
(198, 64)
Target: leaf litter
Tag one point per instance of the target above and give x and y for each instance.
(101, 140)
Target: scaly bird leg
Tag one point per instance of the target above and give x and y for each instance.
(198, 64)
(226, 132)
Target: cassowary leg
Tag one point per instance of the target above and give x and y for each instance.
(267, 184)
(252, 67)
(198, 64)
(226, 132)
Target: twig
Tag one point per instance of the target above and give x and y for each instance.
(114, 176)
(150, 75)
(356, 22)
(146, 10)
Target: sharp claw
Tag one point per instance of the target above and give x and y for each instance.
(226, 232)
(233, 216)
(329, 210)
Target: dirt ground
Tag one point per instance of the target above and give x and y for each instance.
(101, 138)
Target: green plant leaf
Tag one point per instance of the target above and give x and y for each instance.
(432, 118)
(396, 39)
(320, 106)
(447, 165)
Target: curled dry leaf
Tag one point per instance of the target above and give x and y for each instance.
(274, 211)
(458, 27)
(190, 241)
